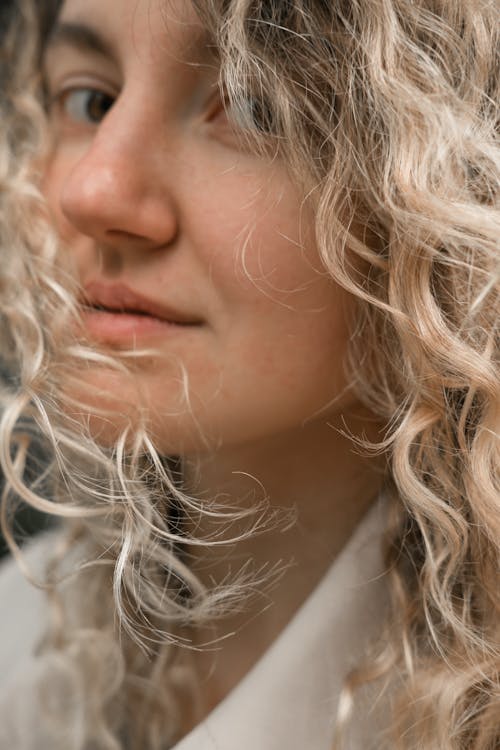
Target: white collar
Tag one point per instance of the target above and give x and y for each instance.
(288, 699)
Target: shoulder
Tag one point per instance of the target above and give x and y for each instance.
(23, 608)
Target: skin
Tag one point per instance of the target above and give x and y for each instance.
(159, 193)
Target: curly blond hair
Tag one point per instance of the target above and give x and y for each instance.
(386, 112)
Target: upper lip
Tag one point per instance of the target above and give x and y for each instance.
(121, 298)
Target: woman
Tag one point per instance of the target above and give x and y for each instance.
(262, 331)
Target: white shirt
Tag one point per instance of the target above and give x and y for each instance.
(288, 699)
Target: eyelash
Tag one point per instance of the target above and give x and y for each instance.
(250, 115)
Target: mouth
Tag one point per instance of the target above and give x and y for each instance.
(117, 313)
(131, 312)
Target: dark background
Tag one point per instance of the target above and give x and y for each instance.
(27, 521)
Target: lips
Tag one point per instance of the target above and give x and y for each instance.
(119, 298)
(118, 315)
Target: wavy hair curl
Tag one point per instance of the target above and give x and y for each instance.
(386, 112)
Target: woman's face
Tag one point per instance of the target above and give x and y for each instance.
(185, 241)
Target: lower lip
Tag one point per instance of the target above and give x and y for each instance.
(111, 327)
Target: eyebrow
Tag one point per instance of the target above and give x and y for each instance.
(88, 39)
(78, 35)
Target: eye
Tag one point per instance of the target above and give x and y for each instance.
(248, 115)
(84, 105)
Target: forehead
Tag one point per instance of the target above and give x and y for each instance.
(149, 28)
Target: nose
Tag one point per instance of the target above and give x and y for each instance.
(116, 192)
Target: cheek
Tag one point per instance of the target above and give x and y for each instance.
(257, 242)
(282, 323)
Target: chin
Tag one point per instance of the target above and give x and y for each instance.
(110, 404)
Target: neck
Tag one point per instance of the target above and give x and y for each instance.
(314, 474)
